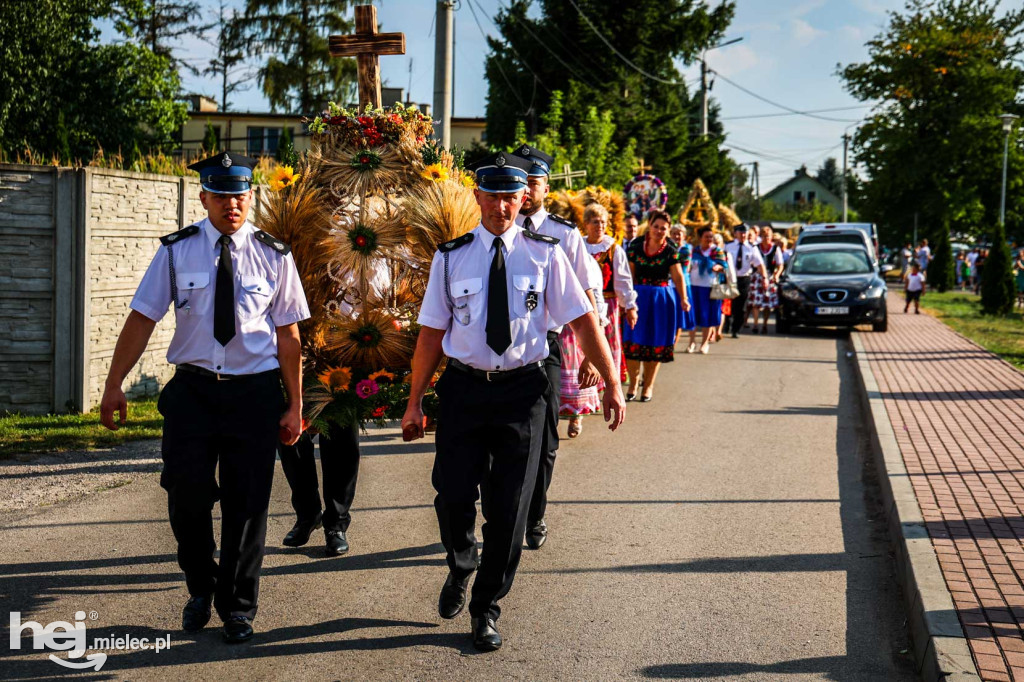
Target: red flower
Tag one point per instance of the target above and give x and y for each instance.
(379, 412)
(395, 118)
(360, 241)
(364, 159)
(365, 120)
(367, 338)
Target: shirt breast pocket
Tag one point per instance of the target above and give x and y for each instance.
(194, 292)
(254, 297)
(467, 301)
(527, 294)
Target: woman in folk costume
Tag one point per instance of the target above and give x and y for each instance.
(576, 401)
(661, 299)
(618, 281)
(678, 235)
(707, 268)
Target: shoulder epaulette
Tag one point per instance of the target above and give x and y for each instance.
(273, 242)
(560, 219)
(455, 243)
(175, 237)
(540, 237)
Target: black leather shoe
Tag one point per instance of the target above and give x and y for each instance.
(238, 629)
(196, 613)
(537, 535)
(485, 634)
(300, 532)
(337, 544)
(453, 596)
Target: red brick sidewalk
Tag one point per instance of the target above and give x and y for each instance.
(958, 415)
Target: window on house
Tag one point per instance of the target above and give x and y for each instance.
(811, 196)
(262, 140)
(798, 197)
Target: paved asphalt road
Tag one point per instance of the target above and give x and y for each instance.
(726, 532)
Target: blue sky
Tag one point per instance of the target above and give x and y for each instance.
(789, 54)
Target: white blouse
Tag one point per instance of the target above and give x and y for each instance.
(622, 278)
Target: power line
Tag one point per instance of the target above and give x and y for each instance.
(497, 62)
(776, 104)
(619, 54)
(508, 42)
(795, 113)
(544, 44)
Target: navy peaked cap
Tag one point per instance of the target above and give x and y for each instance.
(225, 173)
(501, 172)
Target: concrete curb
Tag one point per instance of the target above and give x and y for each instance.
(940, 648)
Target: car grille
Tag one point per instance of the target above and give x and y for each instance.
(832, 295)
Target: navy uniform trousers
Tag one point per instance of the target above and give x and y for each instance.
(339, 458)
(549, 448)
(489, 436)
(231, 426)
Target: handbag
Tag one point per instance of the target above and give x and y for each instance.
(724, 289)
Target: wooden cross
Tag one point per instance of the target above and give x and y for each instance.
(568, 174)
(366, 46)
(642, 168)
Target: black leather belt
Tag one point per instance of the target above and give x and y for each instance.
(496, 375)
(193, 369)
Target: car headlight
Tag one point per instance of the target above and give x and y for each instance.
(875, 291)
(792, 294)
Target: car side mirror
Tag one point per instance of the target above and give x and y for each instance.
(886, 268)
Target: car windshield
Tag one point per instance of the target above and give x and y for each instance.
(845, 262)
(833, 239)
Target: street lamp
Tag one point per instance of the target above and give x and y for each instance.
(1008, 121)
(704, 84)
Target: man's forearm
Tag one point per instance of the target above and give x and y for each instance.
(289, 356)
(424, 362)
(131, 344)
(595, 347)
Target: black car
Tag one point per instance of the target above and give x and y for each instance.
(831, 285)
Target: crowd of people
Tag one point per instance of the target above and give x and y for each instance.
(657, 289)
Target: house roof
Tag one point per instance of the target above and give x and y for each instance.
(824, 193)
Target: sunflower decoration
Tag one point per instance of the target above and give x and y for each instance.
(371, 339)
(282, 177)
(336, 378)
(435, 172)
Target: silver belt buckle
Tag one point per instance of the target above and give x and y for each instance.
(490, 373)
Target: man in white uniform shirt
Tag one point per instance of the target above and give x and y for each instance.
(492, 296)
(746, 258)
(534, 217)
(237, 302)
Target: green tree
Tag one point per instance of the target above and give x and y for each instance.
(940, 270)
(299, 75)
(942, 70)
(286, 153)
(558, 50)
(63, 94)
(830, 176)
(228, 64)
(998, 290)
(157, 24)
(210, 139)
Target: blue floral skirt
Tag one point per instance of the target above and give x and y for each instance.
(658, 319)
(687, 320)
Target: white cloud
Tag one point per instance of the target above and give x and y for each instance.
(805, 8)
(735, 59)
(803, 33)
(852, 33)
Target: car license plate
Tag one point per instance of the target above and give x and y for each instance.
(832, 310)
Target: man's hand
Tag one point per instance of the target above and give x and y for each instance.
(614, 406)
(291, 425)
(113, 401)
(412, 423)
(631, 318)
(588, 376)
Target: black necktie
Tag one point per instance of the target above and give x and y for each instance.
(499, 335)
(528, 224)
(739, 258)
(224, 296)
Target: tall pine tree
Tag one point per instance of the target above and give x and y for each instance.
(564, 50)
(299, 75)
(158, 24)
(228, 63)
(998, 290)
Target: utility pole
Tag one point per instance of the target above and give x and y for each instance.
(703, 97)
(443, 48)
(915, 228)
(757, 188)
(846, 144)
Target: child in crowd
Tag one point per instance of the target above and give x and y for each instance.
(914, 288)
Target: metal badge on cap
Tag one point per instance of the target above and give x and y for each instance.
(500, 161)
(226, 161)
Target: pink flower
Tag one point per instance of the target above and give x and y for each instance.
(366, 388)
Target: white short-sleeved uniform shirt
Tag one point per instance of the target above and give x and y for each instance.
(538, 272)
(571, 242)
(268, 294)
